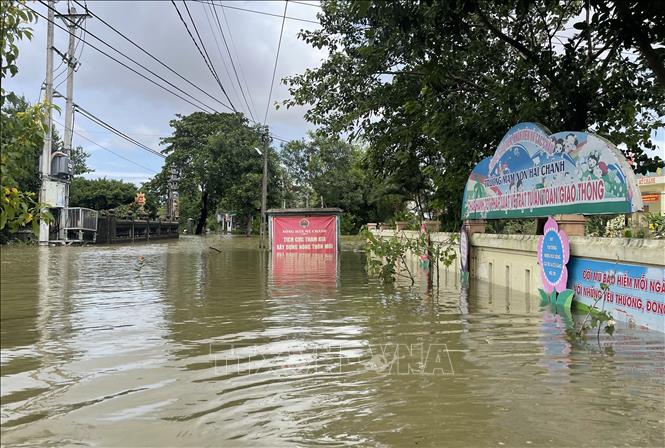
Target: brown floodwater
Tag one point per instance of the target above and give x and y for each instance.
(235, 348)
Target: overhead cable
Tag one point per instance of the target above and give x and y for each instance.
(90, 116)
(274, 70)
(155, 58)
(212, 71)
(261, 12)
(109, 150)
(134, 70)
(233, 66)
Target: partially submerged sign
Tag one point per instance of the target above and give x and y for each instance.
(535, 174)
(636, 294)
(553, 255)
(313, 230)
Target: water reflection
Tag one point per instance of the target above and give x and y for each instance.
(239, 347)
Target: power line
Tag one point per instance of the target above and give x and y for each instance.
(99, 121)
(235, 50)
(109, 150)
(313, 5)
(261, 12)
(132, 69)
(196, 30)
(274, 70)
(155, 58)
(212, 70)
(228, 51)
(221, 56)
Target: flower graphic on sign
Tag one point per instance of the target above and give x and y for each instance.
(553, 254)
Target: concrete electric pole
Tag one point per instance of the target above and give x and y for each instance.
(73, 21)
(265, 139)
(45, 166)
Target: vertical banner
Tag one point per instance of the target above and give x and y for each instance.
(464, 257)
(299, 234)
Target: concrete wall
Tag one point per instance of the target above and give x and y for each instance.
(509, 261)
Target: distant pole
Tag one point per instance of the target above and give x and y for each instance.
(45, 168)
(172, 201)
(265, 139)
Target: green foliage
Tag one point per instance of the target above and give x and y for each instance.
(512, 226)
(331, 171)
(656, 223)
(595, 317)
(14, 16)
(434, 85)
(387, 257)
(101, 194)
(20, 209)
(22, 130)
(79, 158)
(219, 167)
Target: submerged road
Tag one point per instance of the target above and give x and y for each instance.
(197, 347)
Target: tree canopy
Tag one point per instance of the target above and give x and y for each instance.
(22, 128)
(433, 86)
(329, 171)
(216, 157)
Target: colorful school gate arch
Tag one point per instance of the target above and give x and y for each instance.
(537, 174)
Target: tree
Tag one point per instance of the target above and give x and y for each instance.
(79, 158)
(215, 155)
(434, 85)
(22, 127)
(330, 170)
(101, 194)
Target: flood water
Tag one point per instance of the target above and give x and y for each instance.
(233, 348)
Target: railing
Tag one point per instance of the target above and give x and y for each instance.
(79, 218)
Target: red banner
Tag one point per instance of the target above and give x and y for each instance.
(299, 234)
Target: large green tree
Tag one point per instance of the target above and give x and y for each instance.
(101, 194)
(333, 172)
(22, 128)
(434, 85)
(216, 157)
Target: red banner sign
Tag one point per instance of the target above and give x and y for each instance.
(650, 197)
(299, 234)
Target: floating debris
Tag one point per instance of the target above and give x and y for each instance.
(215, 249)
(140, 263)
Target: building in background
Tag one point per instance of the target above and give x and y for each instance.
(652, 188)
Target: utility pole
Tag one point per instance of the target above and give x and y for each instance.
(45, 166)
(265, 139)
(72, 20)
(172, 201)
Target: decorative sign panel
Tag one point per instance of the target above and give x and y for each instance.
(535, 174)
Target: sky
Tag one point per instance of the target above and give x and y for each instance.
(142, 110)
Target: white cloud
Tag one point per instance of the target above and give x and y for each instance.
(142, 110)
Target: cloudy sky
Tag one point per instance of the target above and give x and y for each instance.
(143, 110)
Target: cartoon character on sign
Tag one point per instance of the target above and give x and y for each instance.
(592, 168)
(553, 255)
(570, 143)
